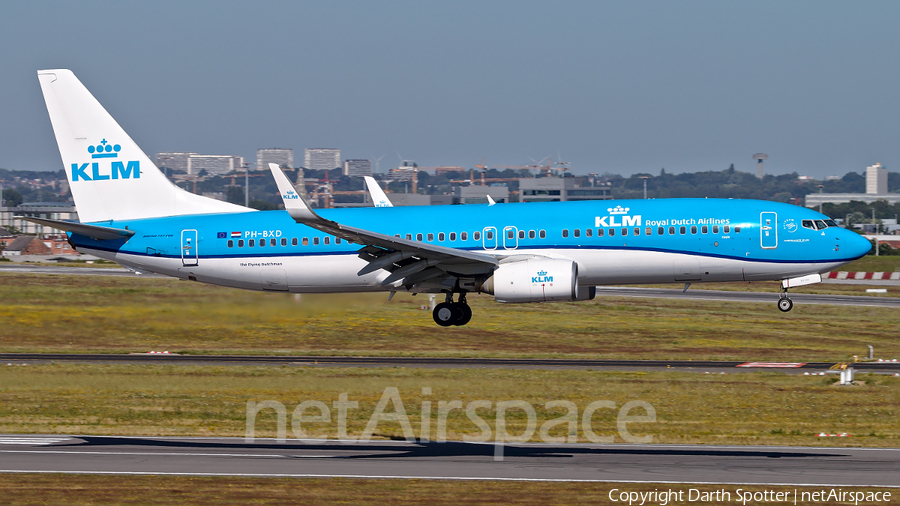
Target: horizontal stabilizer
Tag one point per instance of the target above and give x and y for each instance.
(92, 231)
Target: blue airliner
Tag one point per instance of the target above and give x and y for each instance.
(533, 252)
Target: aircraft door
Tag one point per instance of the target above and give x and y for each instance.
(768, 230)
(189, 253)
(489, 238)
(510, 237)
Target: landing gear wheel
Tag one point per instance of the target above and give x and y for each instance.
(465, 313)
(445, 314)
(785, 304)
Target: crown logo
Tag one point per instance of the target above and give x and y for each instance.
(104, 150)
(542, 273)
(618, 210)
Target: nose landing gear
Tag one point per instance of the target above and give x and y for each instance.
(449, 313)
(785, 304)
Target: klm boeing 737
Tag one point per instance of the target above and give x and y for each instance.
(531, 252)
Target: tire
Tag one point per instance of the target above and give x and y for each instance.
(445, 314)
(785, 305)
(465, 314)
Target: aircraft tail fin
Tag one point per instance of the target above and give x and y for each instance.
(110, 177)
(378, 196)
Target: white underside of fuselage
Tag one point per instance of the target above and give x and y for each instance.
(337, 273)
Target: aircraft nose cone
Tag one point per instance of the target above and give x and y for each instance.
(857, 245)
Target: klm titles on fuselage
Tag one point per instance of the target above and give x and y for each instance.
(117, 169)
(618, 217)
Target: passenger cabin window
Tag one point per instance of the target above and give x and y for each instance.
(660, 231)
(715, 229)
(272, 242)
(727, 229)
(337, 240)
(325, 240)
(637, 231)
(230, 243)
(737, 229)
(531, 234)
(489, 235)
(588, 232)
(430, 237)
(262, 243)
(565, 233)
(648, 231)
(682, 230)
(543, 234)
(693, 229)
(463, 236)
(441, 236)
(624, 231)
(704, 229)
(600, 232)
(577, 232)
(306, 241)
(284, 241)
(315, 241)
(240, 243)
(671, 230)
(612, 232)
(476, 236)
(251, 243)
(521, 234)
(452, 236)
(419, 237)
(409, 236)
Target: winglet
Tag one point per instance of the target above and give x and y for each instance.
(378, 196)
(294, 204)
(490, 201)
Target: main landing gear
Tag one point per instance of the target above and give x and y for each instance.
(449, 313)
(785, 304)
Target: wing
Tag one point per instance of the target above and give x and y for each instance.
(409, 262)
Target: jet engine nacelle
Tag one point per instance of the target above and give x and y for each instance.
(537, 280)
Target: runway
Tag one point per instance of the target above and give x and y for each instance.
(443, 362)
(452, 460)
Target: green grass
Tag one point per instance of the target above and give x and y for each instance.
(872, 263)
(33, 489)
(158, 400)
(44, 313)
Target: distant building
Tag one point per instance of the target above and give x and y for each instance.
(560, 189)
(876, 180)
(876, 189)
(402, 173)
(174, 161)
(193, 163)
(280, 156)
(477, 194)
(214, 165)
(26, 245)
(50, 210)
(357, 168)
(322, 158)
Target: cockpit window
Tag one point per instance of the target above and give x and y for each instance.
(818, 224)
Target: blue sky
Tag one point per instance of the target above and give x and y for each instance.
(622, 87)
